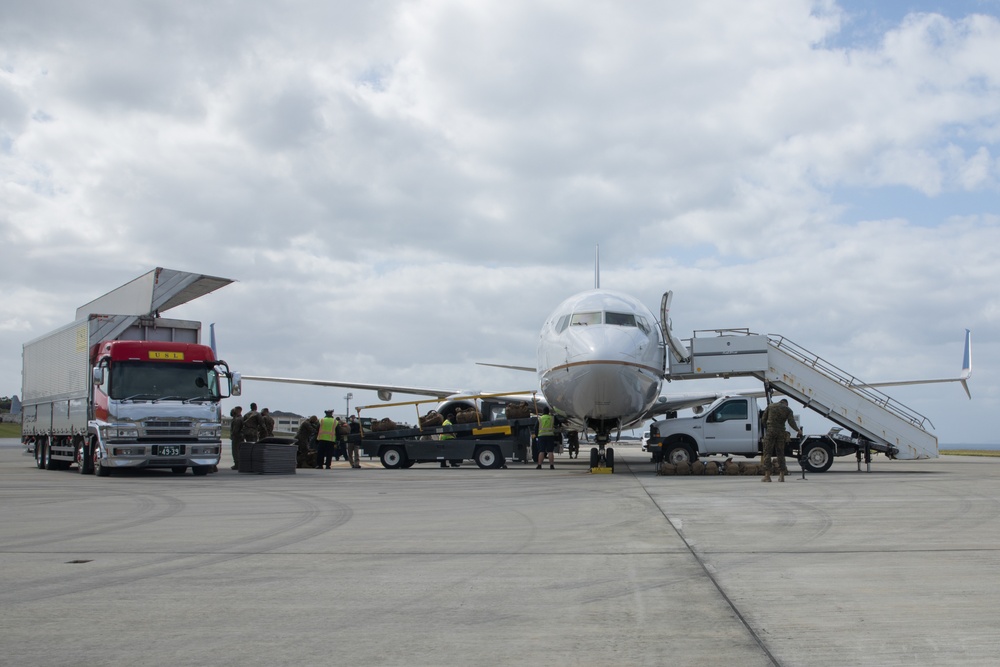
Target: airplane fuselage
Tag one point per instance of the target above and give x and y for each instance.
(601, 359)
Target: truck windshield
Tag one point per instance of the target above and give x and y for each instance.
(731, 410)
(160, 380)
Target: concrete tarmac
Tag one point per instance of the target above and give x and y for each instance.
(431, 566)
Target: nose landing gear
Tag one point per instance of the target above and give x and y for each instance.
(602, 457)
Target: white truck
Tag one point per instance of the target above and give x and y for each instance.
(731, 426)
(145, 397)
(127, 391)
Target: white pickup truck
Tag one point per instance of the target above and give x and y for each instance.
(731, 426)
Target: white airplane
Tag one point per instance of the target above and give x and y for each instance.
(601, 367)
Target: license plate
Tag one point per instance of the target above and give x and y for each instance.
(170, 450)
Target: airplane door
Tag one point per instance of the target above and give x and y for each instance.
(728, 428)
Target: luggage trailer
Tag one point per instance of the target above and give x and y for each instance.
(488, 443)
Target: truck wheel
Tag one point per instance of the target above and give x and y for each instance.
(40, 454)
(816, 456)
(609, 458)
(595, 457)
(84, 464)
(677, 453)
(393, 457)
(488, 457)
(99, 470)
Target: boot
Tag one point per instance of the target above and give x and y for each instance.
(781, 476)
(766, 477)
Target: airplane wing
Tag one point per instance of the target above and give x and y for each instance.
(673, 402)
(384, 391)
(530, 369)
(963, 377)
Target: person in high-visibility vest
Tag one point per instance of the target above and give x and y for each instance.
(447, 436)
(545, 438)
(326, 439)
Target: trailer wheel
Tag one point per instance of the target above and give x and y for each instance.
(393, 457)
(677, 452)
(609, 458)
(488, 457)
(39, 458)
(816, 456)
(595, 457)
(49, 463)
(99, 470)
(84, 464)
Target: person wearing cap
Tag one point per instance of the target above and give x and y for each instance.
(326, 439)
(774, 418)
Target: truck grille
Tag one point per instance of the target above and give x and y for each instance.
(166, 430)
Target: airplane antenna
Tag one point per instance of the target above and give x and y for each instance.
(597, 268)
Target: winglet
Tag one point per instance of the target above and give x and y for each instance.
(967, 363)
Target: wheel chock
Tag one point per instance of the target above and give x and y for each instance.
(601, 470)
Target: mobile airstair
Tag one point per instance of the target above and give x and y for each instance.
(820, 386)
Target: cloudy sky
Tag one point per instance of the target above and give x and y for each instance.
(402, 189)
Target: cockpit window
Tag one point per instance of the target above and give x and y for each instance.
(562, 324)
(585, 319)
(643, 325)
(620, 319)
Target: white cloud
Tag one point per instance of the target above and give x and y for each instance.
(405, 188)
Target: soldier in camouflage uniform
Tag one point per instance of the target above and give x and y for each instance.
(252, 424)
(236, 433)
(774, 418)
(268, 423)
(305, 437)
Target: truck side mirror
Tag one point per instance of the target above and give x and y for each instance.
(98, 375)
(237, 385)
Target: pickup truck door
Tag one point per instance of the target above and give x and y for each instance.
(729, 427)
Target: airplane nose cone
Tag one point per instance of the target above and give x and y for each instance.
(606, 372)
(606, 344)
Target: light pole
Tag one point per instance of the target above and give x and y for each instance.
(348, 399)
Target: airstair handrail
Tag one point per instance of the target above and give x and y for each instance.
(850, 381)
